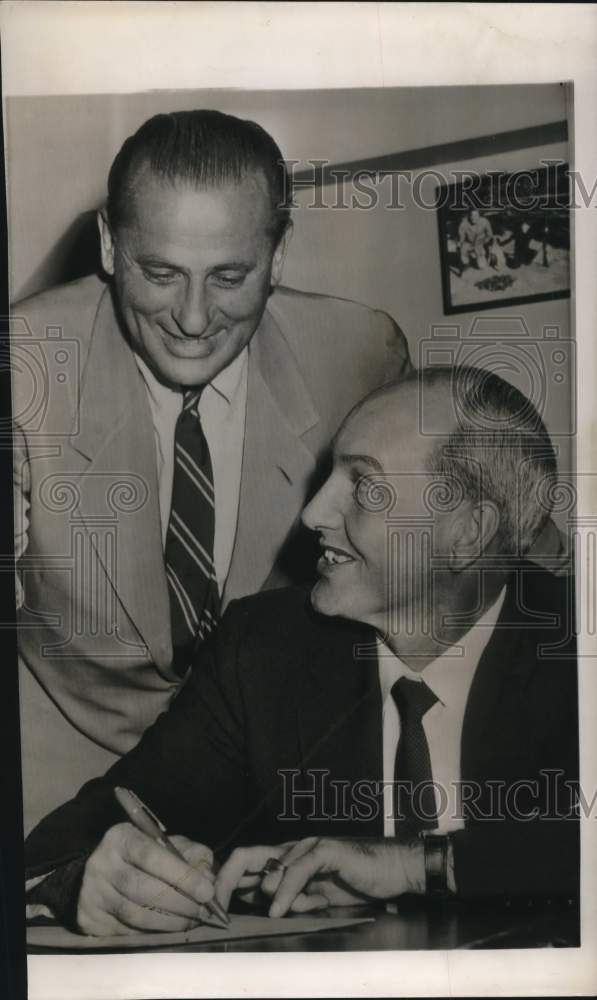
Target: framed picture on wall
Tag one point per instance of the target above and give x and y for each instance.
(505, 238)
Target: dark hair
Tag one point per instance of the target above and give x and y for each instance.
(205, 148)
(498, 450)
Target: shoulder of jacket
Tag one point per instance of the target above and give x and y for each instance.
(50, 337)
(552, 597)
(327, 328)
(288, 304)
(59, 307)
(285, 619)
(543, 588)
(269, 606)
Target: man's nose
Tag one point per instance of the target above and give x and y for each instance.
(192, 315)
(323, 511)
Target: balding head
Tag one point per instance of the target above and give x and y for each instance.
(404, 513)
(486, 438)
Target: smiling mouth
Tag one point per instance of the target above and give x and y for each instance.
(192, 348)
(333, 556)
(186, 338)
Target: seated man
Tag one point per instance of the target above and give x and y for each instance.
(409, 726)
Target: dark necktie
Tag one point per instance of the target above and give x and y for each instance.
(412, 767)
(194, 599)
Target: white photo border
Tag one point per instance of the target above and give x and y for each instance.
(59, 48)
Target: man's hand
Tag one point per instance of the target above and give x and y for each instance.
(320, 872)
(133, 883)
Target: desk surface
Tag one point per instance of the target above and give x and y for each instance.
(421, 925)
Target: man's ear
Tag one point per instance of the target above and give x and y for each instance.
(280, 254)
(473, 529)
(106, 241)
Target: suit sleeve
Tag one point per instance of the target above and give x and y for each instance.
(537, 859)
(180, 768)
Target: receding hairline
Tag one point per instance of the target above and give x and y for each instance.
(144, 167)
(144, 171)
(453, 378)
(201, 147)
(394, 392)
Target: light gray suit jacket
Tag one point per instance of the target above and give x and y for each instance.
(94, 633)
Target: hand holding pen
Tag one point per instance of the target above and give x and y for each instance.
(148, 823)
(140, 879)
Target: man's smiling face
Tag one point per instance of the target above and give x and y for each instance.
(192, 271)
(361, 576)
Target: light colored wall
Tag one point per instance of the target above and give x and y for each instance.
(60, 150)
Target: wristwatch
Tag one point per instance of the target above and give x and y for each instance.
(439, 867)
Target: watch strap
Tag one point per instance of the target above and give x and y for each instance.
(436, 850)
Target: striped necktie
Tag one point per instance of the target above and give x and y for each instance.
(414, 803)
(194, 598)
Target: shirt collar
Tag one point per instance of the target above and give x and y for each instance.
(225, 384)
(227, 381)
(450, 675)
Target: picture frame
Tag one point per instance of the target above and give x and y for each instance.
(505, 238)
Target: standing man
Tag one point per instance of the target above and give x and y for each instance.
(185, 405)
(475, 237)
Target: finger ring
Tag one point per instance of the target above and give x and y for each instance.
(273, 865)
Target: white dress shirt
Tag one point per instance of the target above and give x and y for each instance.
(222, 409)
(450, 677)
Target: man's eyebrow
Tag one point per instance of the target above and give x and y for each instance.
(150, 260)
(364, 459)
(234, 265)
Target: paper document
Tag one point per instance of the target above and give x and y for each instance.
(52, 936)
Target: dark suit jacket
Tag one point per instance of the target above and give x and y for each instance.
(288, 696)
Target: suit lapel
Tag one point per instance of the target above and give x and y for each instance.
(118, 487)
(340, 725)
(277, 465)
